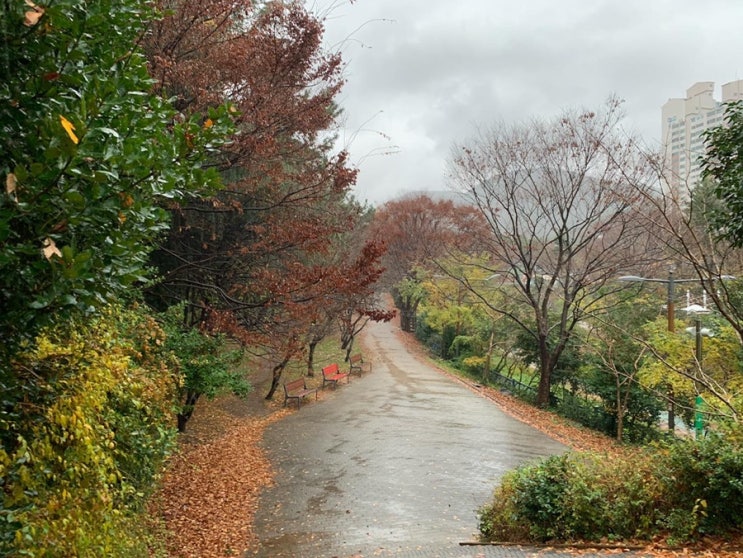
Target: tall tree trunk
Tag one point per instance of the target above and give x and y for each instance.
(346, 340)
(671, 411)
(276, 376)
(488, 356)
(408, 310)
(545, 373)
(349, 348)
(620, 409)
(311, 358)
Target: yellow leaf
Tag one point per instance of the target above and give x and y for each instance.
(69, 128)
(33, 15)
(11, 185)
(49, 249)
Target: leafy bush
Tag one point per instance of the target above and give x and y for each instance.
(431, 338)
(704, 481)
(91, 428)
(643, 407)
(679, 491)
(541, 493)
(141, 408)
(586, 412)
(207, 367)
(87, 157)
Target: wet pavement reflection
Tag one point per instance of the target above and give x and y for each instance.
(396, 463)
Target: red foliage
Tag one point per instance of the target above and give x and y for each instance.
(262, 248)
(417, 230)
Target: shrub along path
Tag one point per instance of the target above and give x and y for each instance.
(210, 492)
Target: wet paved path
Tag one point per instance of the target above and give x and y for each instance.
(396, 463)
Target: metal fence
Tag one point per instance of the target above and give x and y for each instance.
(581, 409)
(520, 389)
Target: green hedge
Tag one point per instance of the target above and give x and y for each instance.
(682, 491)
(87, 420)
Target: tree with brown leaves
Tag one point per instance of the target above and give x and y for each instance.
(558, 199)
(261, 247)
(418, 230)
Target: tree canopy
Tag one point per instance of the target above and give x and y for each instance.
(723, 163)
(558, 199)
(263, 249)
(87, 158)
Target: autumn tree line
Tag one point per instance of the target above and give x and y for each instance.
(567, 271)
(173, 205)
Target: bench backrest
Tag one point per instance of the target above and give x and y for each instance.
(294, 385)
(331, 369)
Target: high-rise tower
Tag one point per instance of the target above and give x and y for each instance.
(683, 121)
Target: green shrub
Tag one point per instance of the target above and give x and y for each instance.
(679, 491)
(704, 482)
(92, 426)
(527, 506)
(541, 493)
(206, 366)
(500, 521)
(141, 408)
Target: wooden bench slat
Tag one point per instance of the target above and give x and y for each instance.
(331, 374)
(297, 389)
(357, 365)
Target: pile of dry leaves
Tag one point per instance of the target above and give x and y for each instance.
(210, 491)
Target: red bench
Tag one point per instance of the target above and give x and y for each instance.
(331, 374)
(297, 389)
(358, 366)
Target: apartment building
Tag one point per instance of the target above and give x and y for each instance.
(683, 122)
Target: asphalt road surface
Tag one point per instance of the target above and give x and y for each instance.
(396, 463)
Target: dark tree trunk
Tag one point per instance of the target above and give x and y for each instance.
(311, 358)
(545, 373)
(276, 377)
(187, 410)
(621, 405)
(346, 340)
(349, 348)
(488, 360)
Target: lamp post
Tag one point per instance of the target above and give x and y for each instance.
(670, 311)
(699, 400)
(670, 282)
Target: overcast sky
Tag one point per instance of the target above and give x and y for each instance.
(423, 74)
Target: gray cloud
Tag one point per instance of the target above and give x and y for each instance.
(423, 74)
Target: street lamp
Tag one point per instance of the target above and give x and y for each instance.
(698, 401)
(670, 311)
(670, 282)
